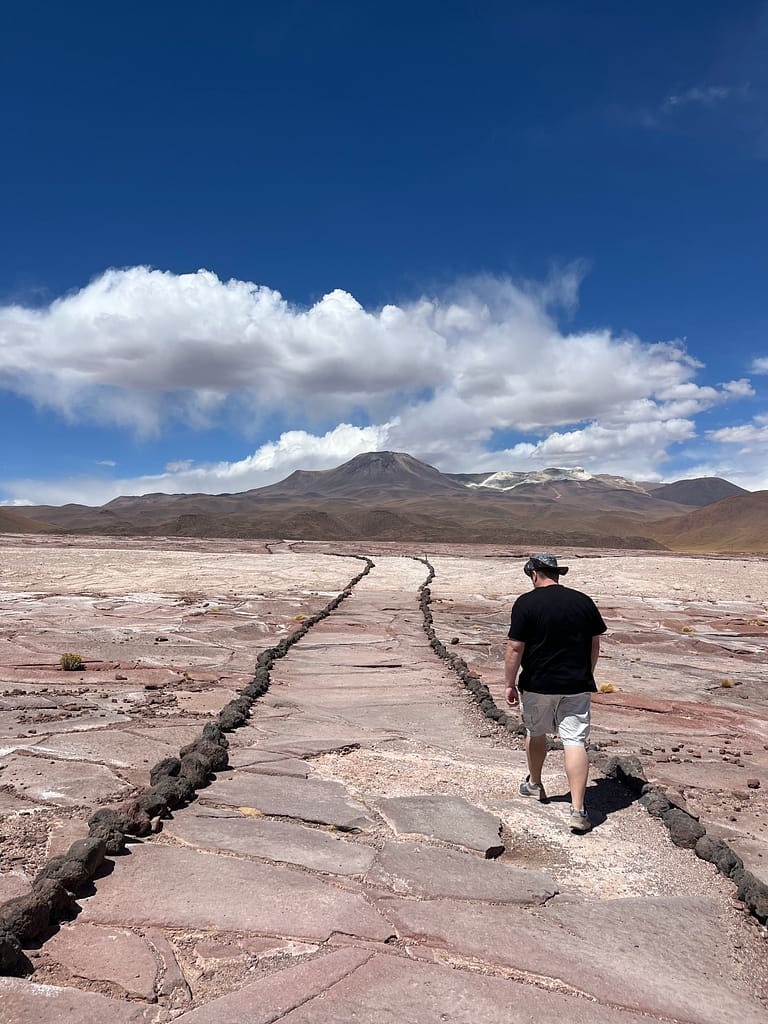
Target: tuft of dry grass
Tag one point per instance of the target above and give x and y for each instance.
(71, 662)
(608, 688)
(687, 629)
(727, 683)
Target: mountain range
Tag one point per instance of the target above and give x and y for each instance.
(393, 496)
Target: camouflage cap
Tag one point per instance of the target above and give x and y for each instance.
(546, 562)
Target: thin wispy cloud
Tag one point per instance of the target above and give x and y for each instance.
(680, 107)
(703, 96)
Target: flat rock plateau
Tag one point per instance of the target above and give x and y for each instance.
(364, 856)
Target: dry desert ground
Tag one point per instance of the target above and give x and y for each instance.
(365, 856)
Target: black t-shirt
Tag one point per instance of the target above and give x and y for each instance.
(556, 624)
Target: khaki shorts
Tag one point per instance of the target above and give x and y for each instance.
(565, 714)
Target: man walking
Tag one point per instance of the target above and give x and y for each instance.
(554, 636)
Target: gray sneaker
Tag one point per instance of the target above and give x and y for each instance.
(528, 788)
(579, 821)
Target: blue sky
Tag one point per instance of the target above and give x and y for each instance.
(247, 238)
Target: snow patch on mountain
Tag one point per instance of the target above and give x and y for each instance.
(507, 479)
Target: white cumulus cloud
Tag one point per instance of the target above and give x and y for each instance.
(444, 378)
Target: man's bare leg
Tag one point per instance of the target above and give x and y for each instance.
(577, 770)
(536, 751)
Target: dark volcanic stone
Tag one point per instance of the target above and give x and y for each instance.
(718, 853)
(196, 769)
(114, 838)
(628, 770)
(90, 851)
(234, 714)
(175, 792)
(136, 820)
(655, 803)
(115, 818)
(214, 733)
(754, 893)
(26, 917)
(169, 766)
(70, 873)
(152, 803)
(684, 830)
(112, 826)
(212, 753)
(61, 902)
(10, 951)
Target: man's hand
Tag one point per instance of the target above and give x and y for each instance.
(511, 695)
(512, 660)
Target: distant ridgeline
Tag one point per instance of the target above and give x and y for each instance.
(390, 496)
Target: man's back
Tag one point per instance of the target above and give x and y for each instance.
(556, 624)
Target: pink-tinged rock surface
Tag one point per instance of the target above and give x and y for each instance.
(284, 842)
(450, 818)
(417, 869)
(378, 989)
(173, 887)
(25, 1002)
(116, 957)
(616, 952)
(312, 800)
(250, 905)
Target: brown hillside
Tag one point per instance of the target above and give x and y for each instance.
(731, 525)
(12, 521)
(698, 492)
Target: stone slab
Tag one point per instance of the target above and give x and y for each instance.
(173, 887)
(118, 747)
(272, 997)
(281, 841)
(314, 747)
(62, 782)
(104, 954)
(13, 885)
(654, 956)
(427, 723)
(23, 701)
(64, 832)
(387, 989)
(291, 766)
(23, 1002)
(448, 818)
(315, 800)
(416, 869)
(177, 734)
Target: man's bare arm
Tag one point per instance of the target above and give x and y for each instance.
(595, 651)
(512, 659)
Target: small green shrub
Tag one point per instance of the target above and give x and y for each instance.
(72, 662)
